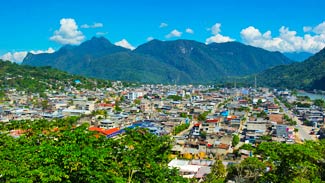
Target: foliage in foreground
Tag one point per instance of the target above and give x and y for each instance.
(277, 163)
(58, 151)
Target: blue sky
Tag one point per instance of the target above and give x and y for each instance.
(44, 26)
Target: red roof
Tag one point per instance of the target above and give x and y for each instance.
(103, 131)
(212, 120)
(106, 105)
(273, 107)
(242, 101)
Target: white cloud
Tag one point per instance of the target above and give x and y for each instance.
(320, 28)
(217, 37)
(19, 56)
(16, 57)
(215, 29)
(49, 50)
(288, 40)
(307, 28)
(101, 33)
(150, 38)
(174, 33)
(68, 32)
(94, 25)
(162, 25)
(124, 43)
(189, 30)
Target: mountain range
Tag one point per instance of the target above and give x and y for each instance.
(309, 74)
(298, 56)
(39, 79)
(179, 61)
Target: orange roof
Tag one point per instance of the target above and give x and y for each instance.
(17, 132)
(103, 131)
(112, 130)
(223, 146)
(231, 117)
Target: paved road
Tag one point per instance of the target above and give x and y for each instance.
(303, 130)
(302, 133)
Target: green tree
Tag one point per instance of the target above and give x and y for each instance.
(58, 151)
(259, 102)
(183, 115)
(203, 116)
(45, 104)
(291, 162)
(218, 173)
(235, 140)
(249, 170)
(248, 147)
(319, 103)
(180, 128)
(175, 97)
(117, 107)
(137, 101)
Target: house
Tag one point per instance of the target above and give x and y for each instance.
(282, 131)
(134, 95)
(192, 168)
(273, 109)
(314, 116)
(211, 125)
(74, 112)
(107, 124)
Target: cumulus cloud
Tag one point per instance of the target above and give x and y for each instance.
(162, 25)
(150, 38)
(19, 56)
(288, 40)
(174, 33)
(124, 43)
(217, 37)
(94, 25)
(189, 30)
(68, 32)
(215, 29)
(16, 57)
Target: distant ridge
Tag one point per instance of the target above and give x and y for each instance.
(179, 61)
(298, 56)
(309, 74)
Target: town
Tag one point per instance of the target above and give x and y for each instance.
(206, 123)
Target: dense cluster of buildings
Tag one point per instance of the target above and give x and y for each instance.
(214, 117)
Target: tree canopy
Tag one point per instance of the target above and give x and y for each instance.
(60, 151)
